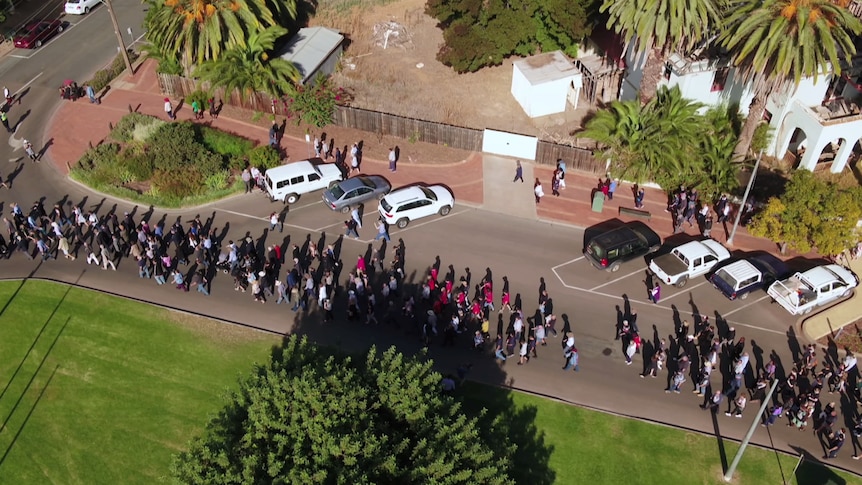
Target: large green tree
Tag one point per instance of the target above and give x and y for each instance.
(480, 33)
(666, 141)
(775, 43)
(812, 213)
(196, 31)
(250, 69)
(656, 28)
(312, 417)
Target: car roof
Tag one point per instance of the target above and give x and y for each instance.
(696, 249)
(302, 166)
(405, 194)
(768, 263)
(619, 235)
(828, 273)
(741, 270)
(354, 182)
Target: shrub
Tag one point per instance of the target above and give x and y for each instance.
(138, 165)
(218, 180)
(125, 128)
(209, 163)
(315, 103)
(175, 145)
(237, 163)
(224, 143)
(178, 183)
(103, 77)
(264, 157)
(101, 155)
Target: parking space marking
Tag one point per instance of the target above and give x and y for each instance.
(320, 229)
(663, 307)
(746, 305)
(620, 278)
(684, 291)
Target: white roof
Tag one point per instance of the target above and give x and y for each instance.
(547, 67)
(696, 249)
(829, 273)
(741, 270)
(310, 47)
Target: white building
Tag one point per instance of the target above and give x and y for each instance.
(817, 124)
(544, 83)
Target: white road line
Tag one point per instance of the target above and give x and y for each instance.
(436, 219)
(320, 229)
(249, 216)
(620, 278)
(567, 263)
(745, 306)
(685, 290)
(37, 76)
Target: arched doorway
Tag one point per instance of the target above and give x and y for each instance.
(796, 148)
(829, 154)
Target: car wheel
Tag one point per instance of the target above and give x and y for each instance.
(743, 296)
(86, 10)
(846, 293)
(291, 198)
(38, 43)
(682, 281)
(614, 268)
(402, 223)
(59, 29)
(807, 310)
(345, 209)
(445, 210)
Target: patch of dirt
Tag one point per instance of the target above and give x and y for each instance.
(849, 337)
(406, 79)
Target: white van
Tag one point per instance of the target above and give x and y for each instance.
(287, 182)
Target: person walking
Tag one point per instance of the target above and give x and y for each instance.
(612, 187)
(392, 159)
(739, 406)
(196, 109)
(169, 109)
(91, 94)
(200, 281)
(28, 147)
(106, 258)
(538, 191)
(275, 220)
(713, 402)
(836, 441)
(246, 179)
(639, 198)
(382, 230)
(351, 228)
(4, 118)
(7, 95)
(561, 166)
(519, 172)
(655, 293)
(555, 184)
(571, 359)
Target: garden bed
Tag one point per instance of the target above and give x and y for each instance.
(849, 337)
(171, 165)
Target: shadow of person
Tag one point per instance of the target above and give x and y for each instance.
(44, 149)
(793, 344)
(14, 174)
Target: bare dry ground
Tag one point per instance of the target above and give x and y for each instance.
(406, 79)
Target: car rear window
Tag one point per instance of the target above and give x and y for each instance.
(386, 205)
(337, 192)
(429, 193)
(596, 250)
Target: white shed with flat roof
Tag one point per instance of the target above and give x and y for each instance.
(543, 84)
(314, 50)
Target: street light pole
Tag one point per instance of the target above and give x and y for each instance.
(119, 36)
(732, 468)
(744, 199)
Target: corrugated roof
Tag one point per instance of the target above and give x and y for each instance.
(310, 47)
(547, 67)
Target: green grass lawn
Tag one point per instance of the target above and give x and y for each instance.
(111, 389)
(96, 389)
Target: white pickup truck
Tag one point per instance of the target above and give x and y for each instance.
(818, 286)
(687, 261)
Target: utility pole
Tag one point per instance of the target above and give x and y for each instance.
(119, 36)
(744, 199)
(766, 400)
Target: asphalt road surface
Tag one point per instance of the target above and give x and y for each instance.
(525, 250)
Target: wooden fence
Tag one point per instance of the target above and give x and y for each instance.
(547, 153)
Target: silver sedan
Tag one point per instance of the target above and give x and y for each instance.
(354, 191)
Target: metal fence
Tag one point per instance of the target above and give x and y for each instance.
(383, 124)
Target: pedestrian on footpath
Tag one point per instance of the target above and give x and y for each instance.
(91, 94)
(676, 382)
(655, 293)
(169, 109)
(572, 359)
(639, 198)
(632, 348)
(7, 95)
(519, 172)
(350, 224)
(561, 166)
(275, 220)
(713, 402)
(106, 258)
(538, 191)
(199, 280)
(4, 118)
(393, 158)
(246, 179)
(555, 184)
(28, 147)
(612, 187)
(356, 215)
(382, 230)
(836, 441)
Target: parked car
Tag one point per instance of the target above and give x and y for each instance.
(409, 203)
(354, 191)
(612, 248)
(738, 279)
(688, 261)
(80, 7)
(818, 286)
(35, 34)
(287, 182)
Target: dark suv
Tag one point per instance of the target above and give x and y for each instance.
(633, 240)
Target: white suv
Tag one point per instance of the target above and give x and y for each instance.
(404, 205)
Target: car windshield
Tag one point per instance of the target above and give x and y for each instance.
(73, 1)
(723, 275)
(336, 192)
(596, 250)
(386, 205)
(429, 193)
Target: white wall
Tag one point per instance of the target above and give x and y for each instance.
(510, 144)
(521, 89)
(549, 98)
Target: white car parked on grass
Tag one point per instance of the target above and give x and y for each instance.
(80, 7)
(406, 204)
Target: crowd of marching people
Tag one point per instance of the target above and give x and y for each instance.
(695, 354)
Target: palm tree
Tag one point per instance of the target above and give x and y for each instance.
(775, 43)
(653, 141)
(659, 27)
(201, 30)
(249, 69)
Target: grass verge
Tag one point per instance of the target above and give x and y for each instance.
(161, 201)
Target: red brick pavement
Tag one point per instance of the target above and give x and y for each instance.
(78, 124)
